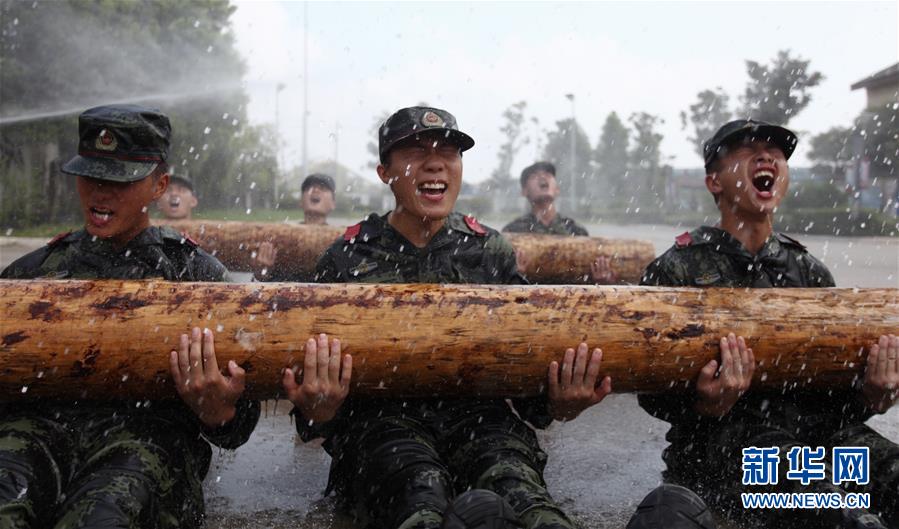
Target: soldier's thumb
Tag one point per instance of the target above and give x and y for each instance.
(707, 373)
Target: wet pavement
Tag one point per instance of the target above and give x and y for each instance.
(600, 465)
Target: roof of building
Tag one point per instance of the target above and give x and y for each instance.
(890, 74)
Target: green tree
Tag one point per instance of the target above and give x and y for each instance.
(645, 175)
(830, 151)
(779, 91)
(576, 181)
(501, 179)
(611, 157)
(710, 111)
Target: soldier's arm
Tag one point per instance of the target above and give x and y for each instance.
(580, 231)
(28, 266)
(326, 270)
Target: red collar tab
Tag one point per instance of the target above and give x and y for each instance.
(684, 239)
(58, 238)
(475, 226)
(189, 239)
(352, 232)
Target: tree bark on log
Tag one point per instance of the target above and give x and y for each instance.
(110, 339)
(552, 259)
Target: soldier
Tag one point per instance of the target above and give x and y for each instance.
(539, 186)
(317, 201)
(134, 463)
(398, 464)
(178, 201)
(748, 175)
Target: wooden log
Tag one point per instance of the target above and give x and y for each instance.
(105, 339)
(551, 259)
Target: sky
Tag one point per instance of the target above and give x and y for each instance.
(476, 59)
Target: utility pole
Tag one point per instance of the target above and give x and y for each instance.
(277, 199)
(572, 133)
(305, 82)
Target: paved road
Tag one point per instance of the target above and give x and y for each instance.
(600, 466)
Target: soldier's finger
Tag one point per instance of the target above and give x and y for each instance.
(727, 358)
(883, 359)
(750, 363)
(567, 362)
(707, 373)
(323, 357)
(346, 372)
(310, 362)
(184, 356)
(334, 362)
(580, 365)
(872, 363)
(593, 368)
(289, 382)
(210, 364)
(893, 355)
(553, 379)
(603, 390)
(196, 352)
(175, 370)
(238, 376)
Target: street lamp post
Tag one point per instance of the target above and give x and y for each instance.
(278, 89)
(572, 132)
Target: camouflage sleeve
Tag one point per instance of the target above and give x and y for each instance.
(816, 273)
(237, 431)
(516, 226)
(204, 267)
(326, 270)
(503, 261)
(579, 230)
(665, 271)
(28, 266)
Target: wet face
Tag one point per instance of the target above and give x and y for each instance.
(541, 188)
(751, 179)
(425, 174)
(117, 210)
(177, 202)
(318, 200)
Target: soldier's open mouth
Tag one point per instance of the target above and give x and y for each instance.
(100, 216)
(315, 200)
(432, 190)
(763, 182)
(175, 202)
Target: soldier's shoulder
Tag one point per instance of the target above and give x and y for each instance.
(181, 247)
(361, 232)
(31, 264)
(573, 227)
(519, 225)
(790, 243)
(470, 225)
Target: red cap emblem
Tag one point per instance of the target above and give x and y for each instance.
(475, 226)
(106, 141)
(431, 119)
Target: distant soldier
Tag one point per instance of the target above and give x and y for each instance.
(539, 186)
(136, 464)
(317, 201)
(747, 173)
(400, 463)
(179, 200)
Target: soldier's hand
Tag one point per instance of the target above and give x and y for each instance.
(325, 381)
(719, 389)
(265, 259)
(201, 385)
(522, 261)
(601, 271)
(880, 390)
(574, 389)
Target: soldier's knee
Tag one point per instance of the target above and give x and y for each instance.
(480, 509)
(672, 507)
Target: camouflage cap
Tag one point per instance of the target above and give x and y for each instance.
(318, 179)
(407, 122)
(120, 143)
(181, 179)
(755, 130)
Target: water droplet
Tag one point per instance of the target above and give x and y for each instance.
(196, 23)
(24, 389)
(249, 211)
(207, 130)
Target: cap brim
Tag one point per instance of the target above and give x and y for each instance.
(182, 181)
(780, 136)
(464, 141)
(108, 169)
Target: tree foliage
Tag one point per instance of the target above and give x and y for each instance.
(501, 178)
(780, 90)
(612, 157)
(707, 114)
(577, 180)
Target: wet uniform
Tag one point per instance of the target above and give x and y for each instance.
(111, 463)
(559, 226)
(397, 463)
(705, 453)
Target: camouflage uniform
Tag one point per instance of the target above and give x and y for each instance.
(705, 453)
(111, 464)
(559, 226)
(396, 463)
